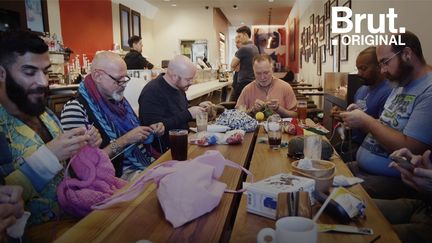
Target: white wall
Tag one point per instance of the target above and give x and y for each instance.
(171, 25)
(412, 14)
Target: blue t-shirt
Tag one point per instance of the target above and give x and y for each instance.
(407, 110)
(374, 98)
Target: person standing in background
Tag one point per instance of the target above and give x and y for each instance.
(134, 58)
(242, 61)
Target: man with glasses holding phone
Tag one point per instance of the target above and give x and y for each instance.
(100, 102)
(405, 121)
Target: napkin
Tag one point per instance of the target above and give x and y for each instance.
(213, 128)
(341, 180)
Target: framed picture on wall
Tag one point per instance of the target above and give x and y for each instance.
(302, 37)
(332, 47)
(323, 53)
(327, 9)
(321, 27)
(317, 22)
(333, 3)
(292, 40)
(124, 26)
(319, 61)
(327, 36)
(343, 51)
(312, 19)
(136, 23)
(36, 15)
(314, 52)
(336, 54)
(301, 57)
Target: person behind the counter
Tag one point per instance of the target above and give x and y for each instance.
(134, 59)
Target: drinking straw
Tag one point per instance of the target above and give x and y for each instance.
(324, 205)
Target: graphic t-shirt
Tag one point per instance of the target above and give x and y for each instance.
(407, 110)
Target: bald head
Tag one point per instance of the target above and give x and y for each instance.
(368, 68)
(109, 72)
(107, 60)
(180, 73)
(180, 64)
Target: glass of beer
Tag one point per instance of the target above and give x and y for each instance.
(178, 139)
(302, 111)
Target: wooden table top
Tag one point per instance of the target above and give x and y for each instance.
(267, 162)
(143, 217)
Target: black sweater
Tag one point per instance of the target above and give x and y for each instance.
(159, 102)
(134, 60)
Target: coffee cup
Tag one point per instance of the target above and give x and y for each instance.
(291, 230)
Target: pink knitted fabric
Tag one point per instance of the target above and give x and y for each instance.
(95, 182)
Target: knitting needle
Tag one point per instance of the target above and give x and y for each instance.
(375, 239)
(124, 150)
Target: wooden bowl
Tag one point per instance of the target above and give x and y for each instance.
(323, 168)
(322, 184)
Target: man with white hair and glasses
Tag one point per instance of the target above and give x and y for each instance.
(100, 102)
(405, 121)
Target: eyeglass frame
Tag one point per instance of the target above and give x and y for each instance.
(117, 81)
(384, 63)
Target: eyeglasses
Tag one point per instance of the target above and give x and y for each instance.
(119, 81)
(385, 62)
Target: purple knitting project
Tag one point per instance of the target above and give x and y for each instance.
(95, 181)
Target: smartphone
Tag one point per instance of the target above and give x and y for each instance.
(403, 162)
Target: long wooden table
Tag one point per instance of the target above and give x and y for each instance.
(267, 162)
(143, 217)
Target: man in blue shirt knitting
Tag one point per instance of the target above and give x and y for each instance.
(405, 121)
(370, 97)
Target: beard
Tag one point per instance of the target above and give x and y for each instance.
(117, 96)
(20, 97)
(404, 72)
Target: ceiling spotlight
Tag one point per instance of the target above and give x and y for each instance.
(235, 6)
(167, 0)
(270, 1)
(173, 5)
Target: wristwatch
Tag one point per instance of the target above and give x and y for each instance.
(115, 148)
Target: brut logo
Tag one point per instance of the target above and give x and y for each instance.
(341, 23)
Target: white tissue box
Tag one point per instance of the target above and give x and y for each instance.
(262, 195)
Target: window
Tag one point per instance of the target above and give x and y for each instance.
(136, 23)
(124, 26)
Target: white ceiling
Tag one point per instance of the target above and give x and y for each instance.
(249, 12)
